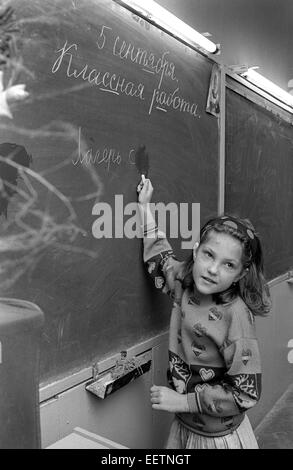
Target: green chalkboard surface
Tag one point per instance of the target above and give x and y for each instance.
(101, 82)
(259, 169)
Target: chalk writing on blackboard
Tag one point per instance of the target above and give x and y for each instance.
(106, 156)
(112, 83)
(160, 66)
(147, 59)
(173, 100)
(150, 63)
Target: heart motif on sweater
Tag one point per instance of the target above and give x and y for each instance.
(151, 267)
(245, 356)
(199, 330)
(215, 314)
(206, 374)
(198, 349)
(193, 300)
(199, 387)
(159, 282)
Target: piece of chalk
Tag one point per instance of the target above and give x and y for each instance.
(143, 178)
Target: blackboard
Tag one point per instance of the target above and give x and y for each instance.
(259, 169)
(97, 90)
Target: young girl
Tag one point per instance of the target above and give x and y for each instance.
(214, 364)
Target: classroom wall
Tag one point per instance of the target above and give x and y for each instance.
(274, 333)
(127, 417)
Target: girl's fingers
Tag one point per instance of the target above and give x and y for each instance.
(155, 400)
(140, 186)
(156, 395)
(143, 184)
(156, 407)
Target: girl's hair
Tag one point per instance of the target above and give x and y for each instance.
(252, 287)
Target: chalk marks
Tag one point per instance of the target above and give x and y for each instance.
(160, 109)
(162, 100)
(159, 66)
(150, 63)
(104, 156)
(109, 91)
(101, 41)
(148, 71)
(105, 80)
(125, 50)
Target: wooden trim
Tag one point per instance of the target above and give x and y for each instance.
(283, 277)
(222, 141)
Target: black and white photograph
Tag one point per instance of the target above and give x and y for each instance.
(146, 221)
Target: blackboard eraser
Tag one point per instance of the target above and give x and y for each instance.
(111, 381)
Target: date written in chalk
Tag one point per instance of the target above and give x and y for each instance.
(148, 459)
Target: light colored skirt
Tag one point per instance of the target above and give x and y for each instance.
(241, 438)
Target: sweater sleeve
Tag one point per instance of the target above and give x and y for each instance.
(160, 262)
(240, 388)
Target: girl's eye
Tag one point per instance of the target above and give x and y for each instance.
(230, 265)
(208, 254)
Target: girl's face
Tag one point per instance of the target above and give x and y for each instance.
(217, 263)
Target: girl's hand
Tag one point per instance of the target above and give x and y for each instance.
(145, 191)
(163, 398)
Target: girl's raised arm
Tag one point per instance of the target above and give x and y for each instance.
(158, 255)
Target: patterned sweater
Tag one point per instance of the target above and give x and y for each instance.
(213, 350)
